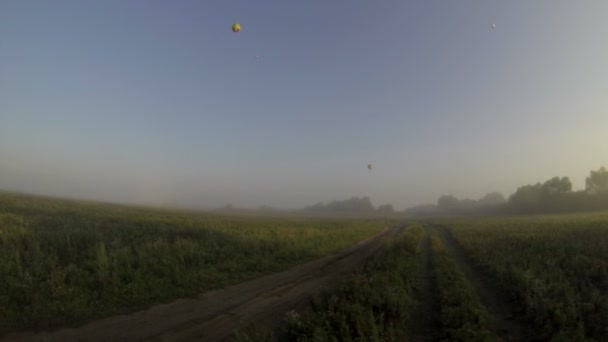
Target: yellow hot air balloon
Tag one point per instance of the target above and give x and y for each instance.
(236, 27)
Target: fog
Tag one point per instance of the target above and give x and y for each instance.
(164, 105)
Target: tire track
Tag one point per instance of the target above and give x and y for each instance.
(424, 322)
(504, 321)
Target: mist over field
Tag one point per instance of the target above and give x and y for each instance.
(163, 104)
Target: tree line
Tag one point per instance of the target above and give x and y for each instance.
(353, 204)
(553, 196)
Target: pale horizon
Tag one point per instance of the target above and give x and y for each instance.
(160, 103)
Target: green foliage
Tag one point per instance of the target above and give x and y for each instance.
(461, 316)
(65, 262)
(371, 305)
(554, 267)
(597, 182)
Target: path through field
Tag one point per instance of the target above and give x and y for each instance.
(423, 321)
(505, 322)
(216, 314)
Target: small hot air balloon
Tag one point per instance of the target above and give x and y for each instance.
(369, 167)
(493, 26)
(236, 27)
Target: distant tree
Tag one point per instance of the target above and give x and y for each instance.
(597, 182)
(527, 197)
(556, 186)
(386, 209)
(354, 204)
(317, 207)
(492, 199)
(447, 202)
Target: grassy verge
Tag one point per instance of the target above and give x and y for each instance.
(65, 262)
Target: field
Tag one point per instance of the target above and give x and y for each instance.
(65, 262)
(553, 269)
(535, 278)
(519, 278)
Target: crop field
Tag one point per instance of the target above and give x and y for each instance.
(65, 262)
(536, 278)
(553, 269)
(518, 278)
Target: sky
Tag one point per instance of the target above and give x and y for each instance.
(159, 102)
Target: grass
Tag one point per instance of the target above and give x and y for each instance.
(554, 268)
(65, 262)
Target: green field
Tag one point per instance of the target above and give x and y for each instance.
(539, 278)
(553, 268)
(65, 262)
(534, 278)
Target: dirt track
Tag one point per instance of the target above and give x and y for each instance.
(505, 322)
(215, 315)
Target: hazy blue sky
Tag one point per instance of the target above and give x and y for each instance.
(159, 102)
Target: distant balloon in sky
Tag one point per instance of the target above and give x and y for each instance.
(493, 26)
(369, 167)
(236, 27)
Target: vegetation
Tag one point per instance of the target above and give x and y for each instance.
(377, 303)
(553, 196)
(461, 316)
(370, 305)
(354, 204)
(555, 268)
(552, 269)
(63, 262)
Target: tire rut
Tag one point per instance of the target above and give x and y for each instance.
(215, 315)
(424, 322)
(505, 323)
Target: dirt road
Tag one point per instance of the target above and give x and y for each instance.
(216, 314)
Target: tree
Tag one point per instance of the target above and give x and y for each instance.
(386, 209)
(354, 204)
(557, 185)
(492, 199)
(447, 202)
(597, 181)
(527, 196)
